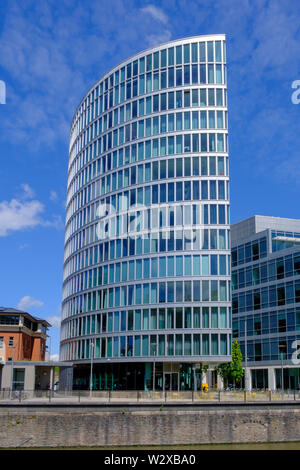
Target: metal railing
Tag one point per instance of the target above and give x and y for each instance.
(141, 396)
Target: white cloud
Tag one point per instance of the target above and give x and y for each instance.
(157, 34)
(39, 80)
(71, 46)
(19, 215)
(156, 13)
(28, 302)
(28, 192)
(57, 223)
(160, 38)
(54, 321)
(54, 357)
(53, 195)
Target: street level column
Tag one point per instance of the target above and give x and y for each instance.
(271, 378)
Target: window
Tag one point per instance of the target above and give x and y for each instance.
(18, 379)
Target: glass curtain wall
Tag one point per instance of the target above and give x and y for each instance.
(147, 259)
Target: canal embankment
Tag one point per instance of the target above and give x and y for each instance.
(157, 424)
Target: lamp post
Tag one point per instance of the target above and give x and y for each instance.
(281, 347)
(164, 373)
(282, 385)
(246, 357)
(194, 377)
(12, 369)
(91, 375)
(153, 385)
(49, 348)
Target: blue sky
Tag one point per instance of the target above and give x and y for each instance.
(51, 52)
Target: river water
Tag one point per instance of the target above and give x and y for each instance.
(199, 447)
(246, 446)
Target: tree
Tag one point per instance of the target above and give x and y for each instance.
(232, 372)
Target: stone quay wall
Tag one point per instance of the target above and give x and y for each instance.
(77, 426)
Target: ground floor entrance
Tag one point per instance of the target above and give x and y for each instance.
(139, 376)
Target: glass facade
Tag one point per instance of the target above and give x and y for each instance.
(265, 298)
(147, 249)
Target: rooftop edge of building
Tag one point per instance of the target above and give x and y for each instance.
(14, 311)
(141, 53)
(258, 223)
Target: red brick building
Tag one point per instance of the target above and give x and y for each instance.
(22, 336)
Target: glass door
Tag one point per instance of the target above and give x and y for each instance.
(171, 380)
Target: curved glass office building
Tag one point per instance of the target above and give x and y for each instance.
(146, 291)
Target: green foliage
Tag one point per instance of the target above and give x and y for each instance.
(232, 371)
(202, 370)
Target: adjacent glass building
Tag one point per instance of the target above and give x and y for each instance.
(265, 300)
(146, 289)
